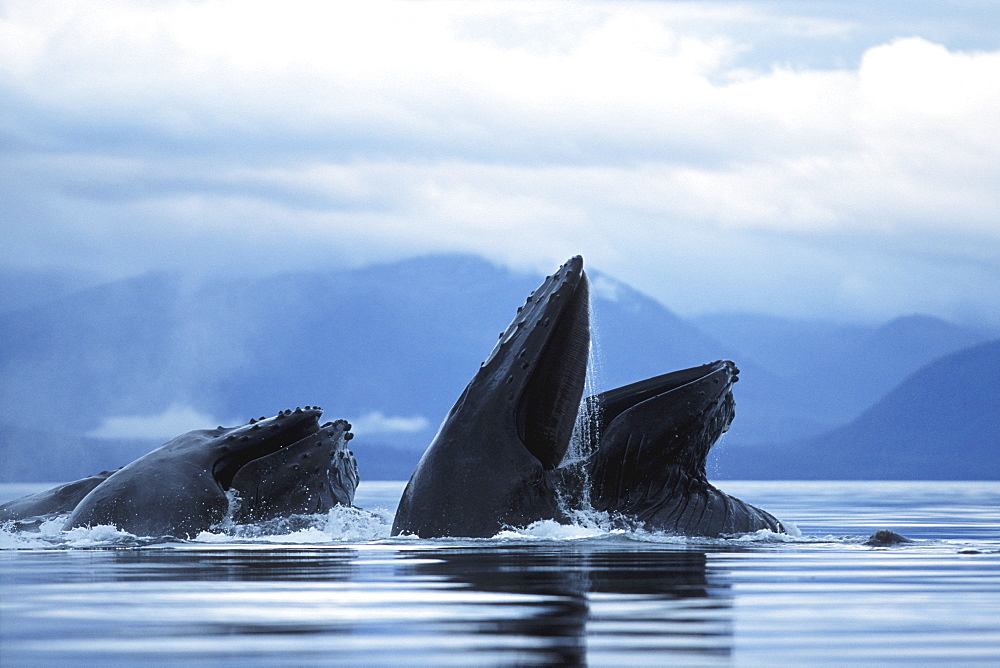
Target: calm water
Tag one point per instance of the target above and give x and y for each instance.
(336, 590)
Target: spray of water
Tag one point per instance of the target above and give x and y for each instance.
(227, 524)
(339, 523)
(585, 436)
(574, 493)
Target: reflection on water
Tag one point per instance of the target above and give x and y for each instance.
(647, 599)
(343, 593)
(242, 565)
(183, 565)
(484, 604)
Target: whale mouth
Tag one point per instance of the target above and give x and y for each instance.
(550, 400)
(713, 382)
(665, 422)
(262, 438)
(539, 366)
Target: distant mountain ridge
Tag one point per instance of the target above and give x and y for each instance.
(942, 422)
(390, 346)
(835, 371)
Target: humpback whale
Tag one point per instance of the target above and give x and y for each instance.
(277, 466)
(52, 502)
(490, 464)
(653, 438)
(497, 459)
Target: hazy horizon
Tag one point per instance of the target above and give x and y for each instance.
(30, 289)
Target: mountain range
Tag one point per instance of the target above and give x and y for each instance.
(942, 422)
(92, 379)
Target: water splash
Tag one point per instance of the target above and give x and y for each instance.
(573, 491)
(347, 524)
(586, 437)
(227, 524)
(49, 533)
(601, 526)
(339, 524)
(551, 530)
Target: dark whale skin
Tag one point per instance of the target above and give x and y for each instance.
(278, 466)
(653, 440)
(496, 460)
(488, 466)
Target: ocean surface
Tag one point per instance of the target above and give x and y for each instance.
(336, 590)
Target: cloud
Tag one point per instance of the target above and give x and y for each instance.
(174, 421)
(668, 142)
(377, 422)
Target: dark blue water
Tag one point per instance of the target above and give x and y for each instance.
(336, 590)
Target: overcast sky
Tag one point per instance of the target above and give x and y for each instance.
(841, 163)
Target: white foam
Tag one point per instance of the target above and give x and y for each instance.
(211, 537)
(765, 536)
(307, 536)
(12, 539)
(552, 530)
(340, 524)
(49, 533)
(595, 525)
(102, 535)
(53, 528)
(356, 525)
(792, 529)
(353, 525)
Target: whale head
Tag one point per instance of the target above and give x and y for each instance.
(679, 416)
(653, 439)
(180, 488)
(486, 466)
